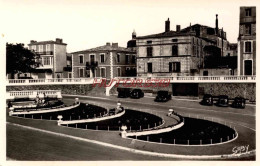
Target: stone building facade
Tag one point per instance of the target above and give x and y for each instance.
(247, 41)
(52, 58)
(106, 61)
(178, 53)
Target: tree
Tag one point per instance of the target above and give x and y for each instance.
(19, 59)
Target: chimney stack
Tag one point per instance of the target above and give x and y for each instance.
(216, 24)
(33, 41)
(167, 25)
(178, 28)
(115, 45)
(58, 40)
(107, 44)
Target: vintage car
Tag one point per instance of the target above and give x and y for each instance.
(207, 100)
(123, 92)
(163, 96)
(223, 101)
(239, 102)
(136, 94)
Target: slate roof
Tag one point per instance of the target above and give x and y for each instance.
(105, 48)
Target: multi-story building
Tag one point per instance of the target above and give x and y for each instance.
(180, 52)
(67, 71)
(232, 49)
(247, 41)
(52, 58)
(106, 61)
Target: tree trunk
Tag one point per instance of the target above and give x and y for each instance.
(12, 75)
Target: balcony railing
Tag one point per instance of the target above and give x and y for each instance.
(45, 53)
(178, 79)
(91, 65)
(197, 79)
(52, 81)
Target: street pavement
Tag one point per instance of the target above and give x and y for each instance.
(242, 119)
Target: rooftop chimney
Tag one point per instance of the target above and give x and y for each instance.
(178, 28)
(107, 44)
(216, 24)
(115, 45)
(167, 25)
(58, 40)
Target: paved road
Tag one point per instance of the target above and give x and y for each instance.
(246, 118)
(25, 144)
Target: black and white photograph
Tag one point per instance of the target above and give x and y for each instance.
(139, 80)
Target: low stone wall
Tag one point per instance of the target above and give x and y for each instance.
(246, 90)
(65, 89)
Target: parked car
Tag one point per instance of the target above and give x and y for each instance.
(136, 94)
(207, 100)
(163, 96)
(123, 92)
(222, 101)
(239, 102)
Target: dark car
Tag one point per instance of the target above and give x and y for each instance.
(239, 102)
(222, 101)
(123, 92)
(136, 94)
(163, 96)
(207, 100)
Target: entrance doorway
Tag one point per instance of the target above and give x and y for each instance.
(248, 67)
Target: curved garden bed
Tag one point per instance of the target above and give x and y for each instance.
(194, 132)
(134, 120)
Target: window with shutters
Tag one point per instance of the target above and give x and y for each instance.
(81, 72)
(175, 50)
(248, 47)
(133, 59)
(248, 12)
(92, 58)
(248, 29)
(118, 58)
(102, 58)
(150, 67)
(119, 71)
(103, 72)
(81, 59)
(174, 67)
(149, 51)
(127, 59)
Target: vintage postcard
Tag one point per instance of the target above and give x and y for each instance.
(115, 80)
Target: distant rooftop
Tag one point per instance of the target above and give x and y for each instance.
(57, 41)
(107, 47)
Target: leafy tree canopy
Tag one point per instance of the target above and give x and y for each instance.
(19, 59)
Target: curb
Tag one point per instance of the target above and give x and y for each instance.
(225, 156)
